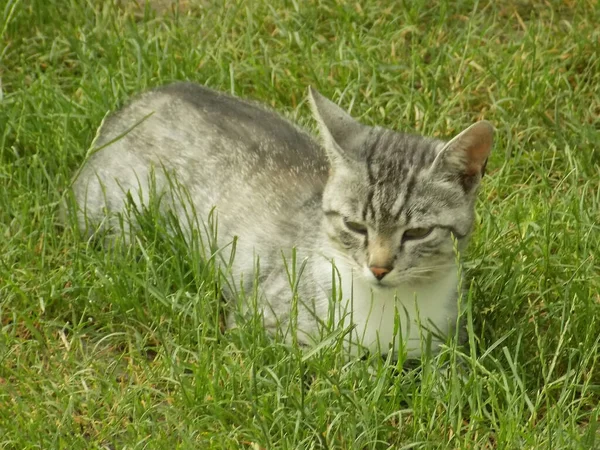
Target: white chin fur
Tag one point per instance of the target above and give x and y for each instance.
(375, 307)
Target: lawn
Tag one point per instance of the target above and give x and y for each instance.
(122, 348)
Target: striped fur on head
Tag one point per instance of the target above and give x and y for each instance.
(395, 201)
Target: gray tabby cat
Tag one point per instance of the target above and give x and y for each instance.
(385, 208)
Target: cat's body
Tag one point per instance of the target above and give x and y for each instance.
(275, 189)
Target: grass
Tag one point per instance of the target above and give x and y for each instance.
(104, 349)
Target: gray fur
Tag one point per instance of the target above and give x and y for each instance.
(275, 188)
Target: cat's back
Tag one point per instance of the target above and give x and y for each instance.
(226, 152)
(188, 112)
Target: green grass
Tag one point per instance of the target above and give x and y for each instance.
(122, 349)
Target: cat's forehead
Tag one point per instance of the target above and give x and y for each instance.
(397, 170)
(391, 155)
(407, 201)
(395, 162)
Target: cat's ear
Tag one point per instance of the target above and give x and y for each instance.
(342, 135)
(466, 155)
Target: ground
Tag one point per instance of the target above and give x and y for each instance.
(123, 349)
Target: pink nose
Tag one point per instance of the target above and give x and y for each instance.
(379, 272)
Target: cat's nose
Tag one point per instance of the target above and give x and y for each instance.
(379, 272)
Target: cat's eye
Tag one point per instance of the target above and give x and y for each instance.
(417, 233)
(356, 227)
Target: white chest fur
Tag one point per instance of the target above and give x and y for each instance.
(400, 316)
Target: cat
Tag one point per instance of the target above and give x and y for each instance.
(374, 215)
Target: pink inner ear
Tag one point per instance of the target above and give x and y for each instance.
(476, 142)
(472, 170)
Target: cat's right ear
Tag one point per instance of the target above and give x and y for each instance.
(342, 135)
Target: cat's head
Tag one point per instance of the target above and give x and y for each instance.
(393, 201)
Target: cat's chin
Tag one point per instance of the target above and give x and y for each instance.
(386, 283)
(394, 281)
(383, 285)
(392, 284)
(401, 283)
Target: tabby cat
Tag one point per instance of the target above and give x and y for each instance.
(375, 216)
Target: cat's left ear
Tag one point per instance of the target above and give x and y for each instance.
(342, 135)
(466, 155)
